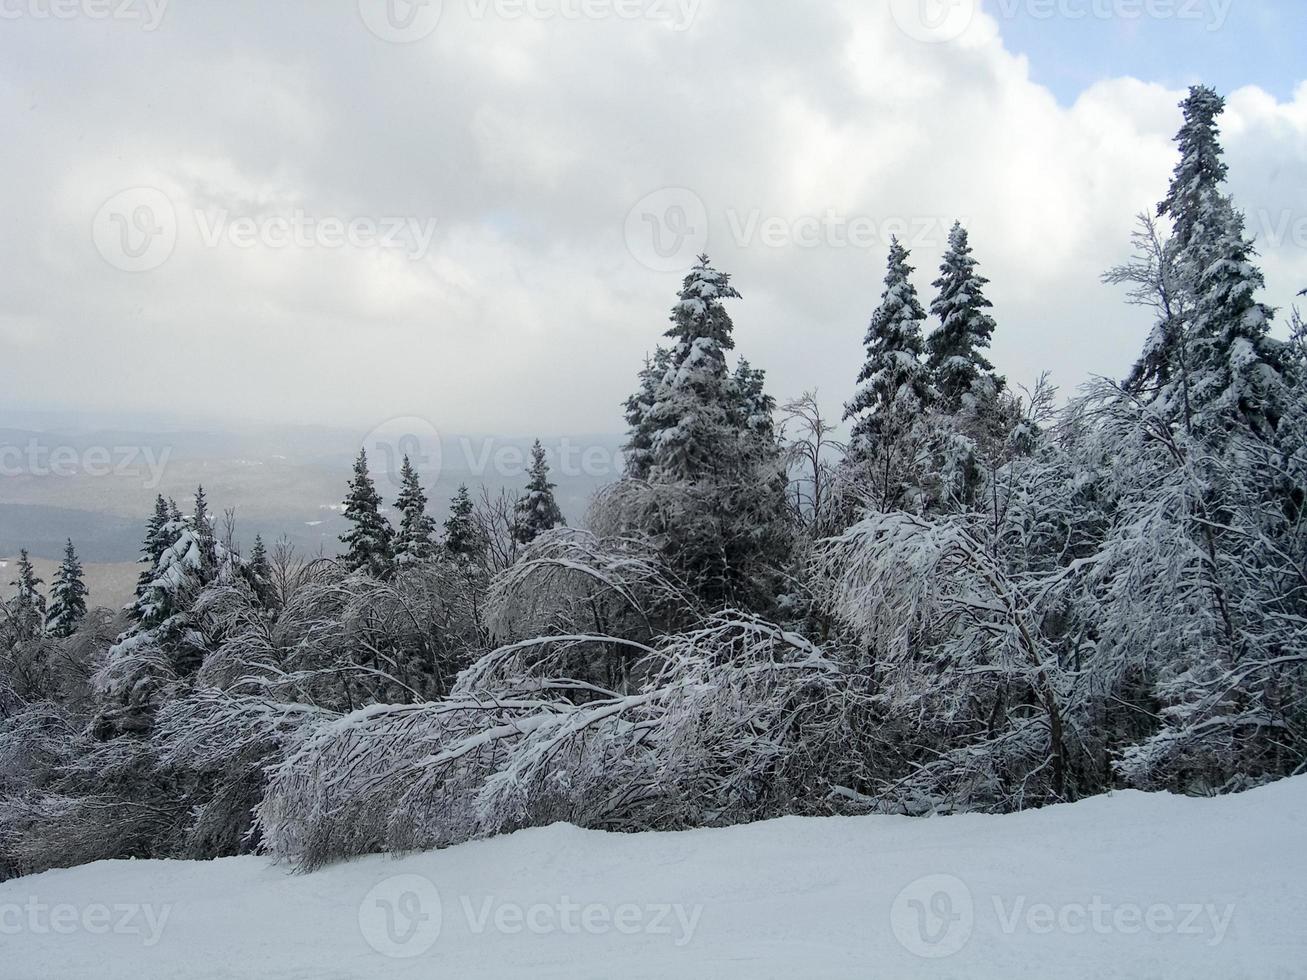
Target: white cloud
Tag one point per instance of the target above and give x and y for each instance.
(529, 142)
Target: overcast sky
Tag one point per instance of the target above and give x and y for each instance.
(478, 212)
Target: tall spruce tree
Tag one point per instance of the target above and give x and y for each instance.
(370, 537)
(705, 442)
(957, 364)
(67, 596)
(414, 541)
(462, 538)
(27, 607)
(894, 385)
(1212, 363)
(695, 404)
(258, 572)
(159, 537)
(537, 510)
(206, 541)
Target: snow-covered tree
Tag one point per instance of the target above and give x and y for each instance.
(715, 493)
(67, 596)
(1210, 361)
(960, 370)
(638, 452)
(414, 542)
(369, 541)
(160, 535)
(462, 536)
(696, 402)
(26, 609)
(894, 386)
(537, 510)
(1237, 366)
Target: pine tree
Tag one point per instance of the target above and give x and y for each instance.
(159, 537)
(1197, 210)
(369, 540)
(258, 571)
(894, 386)
(959, 369)
(462, 538)
(705, 442)
(692, 413)
(1211, 362)
(186, 566)
(206, 543)
(416, 528)
(537, 510)
(27, 607)
(755, 411)
(638, 452)
(67, 596)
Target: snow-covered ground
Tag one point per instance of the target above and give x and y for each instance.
(1131, 885)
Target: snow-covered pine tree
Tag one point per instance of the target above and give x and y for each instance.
(961, 372)
(894, 386)
(414, 542)
(258, 571)
(638, 452)
(705, 442)
(370, 537)
(67, 596)
(186, 566)
(537, 510)
(27, 607)
(159, 537)
(694, 405)
(205, 540)
(462, 537)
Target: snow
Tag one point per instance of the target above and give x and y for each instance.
(1129, 885)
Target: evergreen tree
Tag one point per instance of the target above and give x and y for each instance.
(186, 566)
(755, 412)
(369, 540)
(894, 386)
(205, 541)
(638, 451)
(705, 442)
(27, 607)
(159, 537)
(537, 510)
(1238, 367)
(67, 596)
(414, 541)
(1212, 363)
(258, 571)
(959, 369)
(462, 538)
(695, 404)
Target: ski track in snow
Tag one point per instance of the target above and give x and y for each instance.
(788, 898)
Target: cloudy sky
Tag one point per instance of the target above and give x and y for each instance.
(477, 212)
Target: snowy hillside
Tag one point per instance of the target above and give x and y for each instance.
(1131, 885)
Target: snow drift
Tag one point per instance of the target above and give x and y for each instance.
(1127, 885)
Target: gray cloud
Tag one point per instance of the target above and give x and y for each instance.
(807, 131)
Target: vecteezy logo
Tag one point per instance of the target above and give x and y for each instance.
(401, 21)
(933, 916)
(934, 21)
(667, 229)
(136, 229)
(413, 438)
(401, 916)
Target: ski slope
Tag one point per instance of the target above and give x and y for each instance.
(1130, 885)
